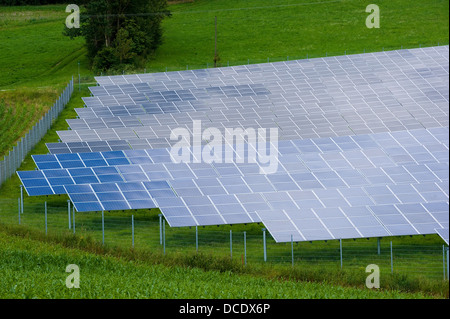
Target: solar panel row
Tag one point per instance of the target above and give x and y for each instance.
(362, 150)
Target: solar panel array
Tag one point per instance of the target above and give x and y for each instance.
(362, 148)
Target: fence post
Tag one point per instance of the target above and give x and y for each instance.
(14, 159)
(245, 248)
(196, 238)
(379, 245)
(443, 259)
(132, 231)
(292, 250)
(231, 244)
(19, 209)
(340, 249)
(21, 198)
(447, 265)
(264, 244)
(103, 227)
(160, 229)
(68, 211)
(164, 235)
(45, 213)
(392, 260)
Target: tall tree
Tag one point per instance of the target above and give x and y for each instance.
(121, 29)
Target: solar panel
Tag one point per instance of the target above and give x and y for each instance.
(310, 170)
(362, 148)
(443, 232)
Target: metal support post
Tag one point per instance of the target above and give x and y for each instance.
(231, 244)
(103, 227)
(245, 248)
(21, 199)
(68, 211)
(132, 231)
(292, 249)
(160, 229)
(164, 235)
(73, 219)
(19, 209)
(45, 213)
(196, 238)
(392, 260)
(264, 244)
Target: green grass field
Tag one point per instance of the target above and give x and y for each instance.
(37, 61)
(417, 261)
(34, 267)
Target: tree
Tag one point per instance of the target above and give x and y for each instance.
(128, 28)
(123, 46)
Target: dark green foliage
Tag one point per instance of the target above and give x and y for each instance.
(123, 28)
(105, 59)
(28, 2)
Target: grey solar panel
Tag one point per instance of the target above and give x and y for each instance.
(353, 157)
(443, 232)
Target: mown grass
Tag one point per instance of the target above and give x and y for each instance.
(34, 51)
(33, 266)
(253, 31)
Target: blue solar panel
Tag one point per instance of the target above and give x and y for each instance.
(105, 187)
(136, 195)
(60, 181)
(109, 196)
(55, 173)
(35, 182)
(48, 165)
(78, 189)
(36, 191)
(112, 178)
(130, 187)
(83, 197)
(44, 158)
(142, 204)
(153, 185)
(67, 157)
(105, 170)
(80, 172)
(90, 156)
(30, 174)
(113, 154)
(87, 206)
(71, 164)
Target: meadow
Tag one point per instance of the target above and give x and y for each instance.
(37, 61)
(33, 266)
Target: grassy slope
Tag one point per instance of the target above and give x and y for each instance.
(34, 52)
(33, 268)
(37, 61)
